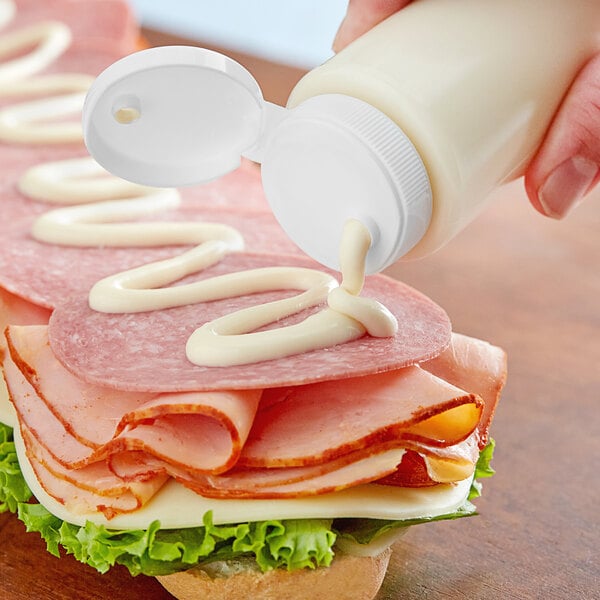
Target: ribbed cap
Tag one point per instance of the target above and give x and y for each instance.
(336, 157)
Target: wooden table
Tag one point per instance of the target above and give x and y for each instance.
(532, 286)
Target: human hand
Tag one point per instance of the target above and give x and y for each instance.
(363, 15)
(566, 166)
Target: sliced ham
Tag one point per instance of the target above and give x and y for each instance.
(96, 479)
(471, 364)
(79, 500)
(305, 440)
(131, 466)
(76, 406)
(363, 470)
(194, 432)
(477, 366)
(452, 463)
(334, 417)
(79, 424)
(17, 311)
(137, 465)
(91, 488)
(347, 470)
(40, 421)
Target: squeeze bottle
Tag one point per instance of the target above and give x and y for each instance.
(408, 129)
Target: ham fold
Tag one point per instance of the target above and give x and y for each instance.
(89, 489)
(477, 366)
(99, 421)
(17, 311)
(334, 417)
(112, 449)
(470, 364)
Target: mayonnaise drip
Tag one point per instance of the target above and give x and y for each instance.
(98, 210)
(376, 318)
(227, 341)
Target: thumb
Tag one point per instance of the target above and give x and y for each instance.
(567, 164)
(361, 16)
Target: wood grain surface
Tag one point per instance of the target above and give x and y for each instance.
(532, 286)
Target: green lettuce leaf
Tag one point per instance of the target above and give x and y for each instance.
(289, 544)
(37, 519)
(13, 488)
(292, 544)
(483, 469)
(364, 531)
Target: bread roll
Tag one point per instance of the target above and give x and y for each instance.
(348, 578)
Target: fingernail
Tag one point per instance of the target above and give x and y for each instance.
(566, 186)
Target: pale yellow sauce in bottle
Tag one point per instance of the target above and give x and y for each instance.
(474, 85)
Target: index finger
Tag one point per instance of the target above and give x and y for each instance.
(363, 15)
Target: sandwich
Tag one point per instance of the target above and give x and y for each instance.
(287, 475)
(208, 533)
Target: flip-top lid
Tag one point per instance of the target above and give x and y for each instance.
(173, 116)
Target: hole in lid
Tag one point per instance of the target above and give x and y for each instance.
(127, 109)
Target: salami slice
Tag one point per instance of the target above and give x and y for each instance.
(146, 351)
(238, 190)
(46, 274)
(102, 31)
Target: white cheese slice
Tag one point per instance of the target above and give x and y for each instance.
(7, 411)
(176, 506)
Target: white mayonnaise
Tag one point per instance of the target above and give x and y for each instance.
(231, 339)
(101, 207)
(34, 122)
(77, 181)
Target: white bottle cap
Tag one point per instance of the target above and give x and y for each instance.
(334, 158)
(181, 115)
(172, 116)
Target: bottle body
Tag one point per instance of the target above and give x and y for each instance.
(472, 83)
